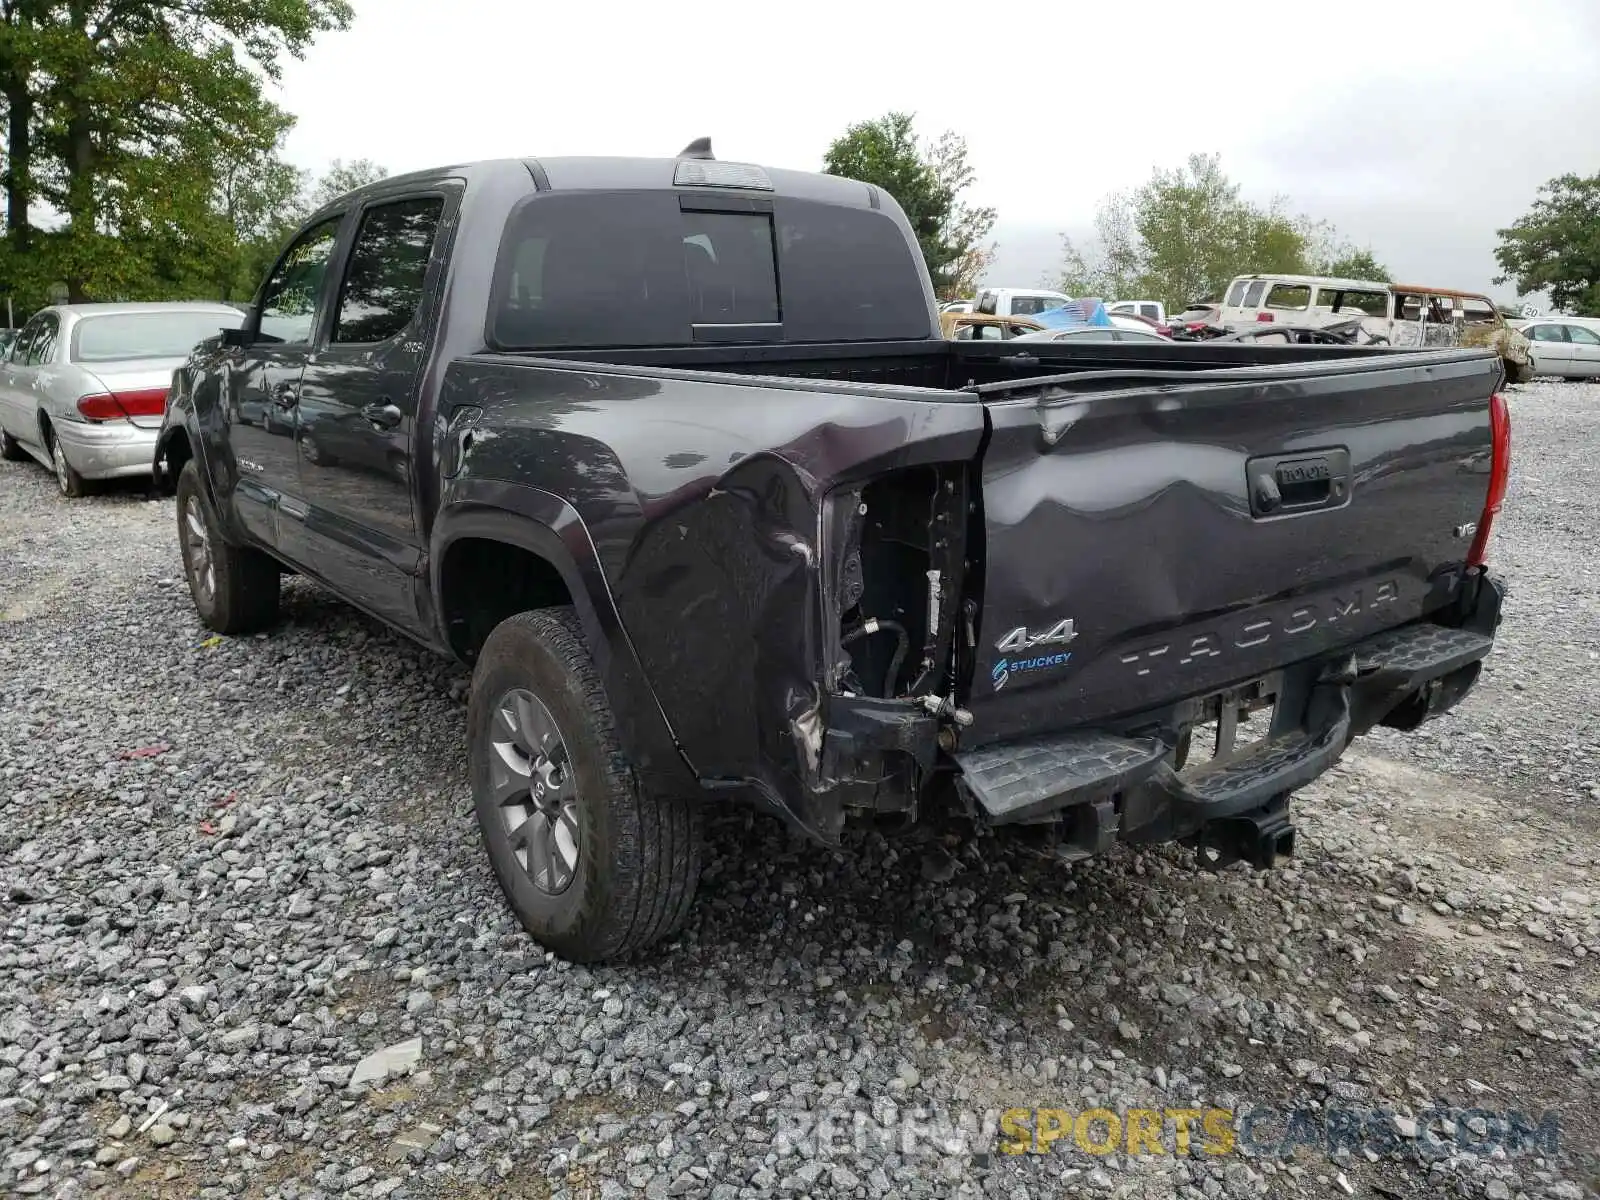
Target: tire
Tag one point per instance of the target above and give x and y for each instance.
(10, 449)
(313, 452)
(73, 486)
(234, 588)
(1573, 379)
(634, 859)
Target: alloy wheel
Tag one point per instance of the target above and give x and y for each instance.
(197, 539)
(59, 459)
(535, 790)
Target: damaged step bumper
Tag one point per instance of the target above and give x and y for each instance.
(1130, 782)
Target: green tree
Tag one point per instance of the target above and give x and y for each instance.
(258, 201)
(927, 182)
(1186, 233)
(1555, 246)
(120, 117)
(966, 227)
(1355, 264)
(342, 177)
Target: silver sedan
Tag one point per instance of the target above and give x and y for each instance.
(84, 386)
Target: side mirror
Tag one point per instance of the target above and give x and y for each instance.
(245, 333)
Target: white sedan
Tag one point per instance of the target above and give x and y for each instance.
(84, 386)
(1565, 348)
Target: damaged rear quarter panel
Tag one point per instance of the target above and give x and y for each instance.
(702, 495)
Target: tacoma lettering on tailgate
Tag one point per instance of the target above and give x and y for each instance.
(1257, 631)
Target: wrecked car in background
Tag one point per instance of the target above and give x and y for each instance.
(1366, 312)
(708, 534)
(979, 327)
(1427, 316)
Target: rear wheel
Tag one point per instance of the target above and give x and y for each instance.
(72, 484)
(313, 452)
(594, 866)
(10, 449)
(235, 589)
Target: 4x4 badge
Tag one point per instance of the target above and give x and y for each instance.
(1019, 639)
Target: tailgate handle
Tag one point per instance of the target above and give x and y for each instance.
(1281, 484)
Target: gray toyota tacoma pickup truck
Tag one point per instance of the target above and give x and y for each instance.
(671, 452)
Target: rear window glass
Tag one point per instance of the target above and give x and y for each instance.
(117, 337)
(1252, 295)
(1235, 296)
(640, 269)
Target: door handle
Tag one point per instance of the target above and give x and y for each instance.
(286, 395)
(384, 415)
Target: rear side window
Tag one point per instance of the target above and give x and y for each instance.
(382, 286)
(43, 346)
(650, 269)
(1579, 336)
(1290, 296)
(1372, 304)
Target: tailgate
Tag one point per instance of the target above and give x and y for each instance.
(1157, 536)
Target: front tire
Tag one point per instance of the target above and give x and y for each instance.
(234, 588)
(593, 866)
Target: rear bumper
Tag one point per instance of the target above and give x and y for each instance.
(110, 450)
(1122, 782)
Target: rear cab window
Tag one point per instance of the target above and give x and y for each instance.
(675, 268)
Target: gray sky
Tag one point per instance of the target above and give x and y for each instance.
(1416, 128)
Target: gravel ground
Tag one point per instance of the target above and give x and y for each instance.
(233, 870)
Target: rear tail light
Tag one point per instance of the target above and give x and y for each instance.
(117, 406)
(1265, 317)
(1499, 477)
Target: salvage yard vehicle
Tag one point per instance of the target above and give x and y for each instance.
(705, 533)
(1430, 316)
(1569, 348)
(1018, 302)
(84, 386)
(977, 327)
(1382, 314)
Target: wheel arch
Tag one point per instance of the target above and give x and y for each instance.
(173, 448)
(498, 548)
